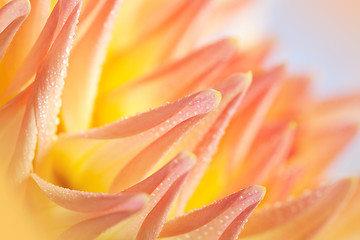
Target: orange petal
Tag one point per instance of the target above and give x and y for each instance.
(199, 67)
(141, 164)
(169, 35)
(292, 99)
(113, 145)
(213, 128)
(335, 110)
(43, 45)
(265, 156)
(245, 61)
(223, 219)
(84, 71)
(89, 202)
(18, 49)
(311, 154)
(347, 223)
(163, 187)
(300, 218)
(11, 116)
(12, 15)
(251, 114)
(286, 179)
(40, 120)
(92, 228)
(191, 105)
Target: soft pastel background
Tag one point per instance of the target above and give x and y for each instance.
(318, 37)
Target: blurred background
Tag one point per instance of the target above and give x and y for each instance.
(317, 37)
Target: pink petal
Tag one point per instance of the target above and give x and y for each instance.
(199, 67)
(113, 145)
(334, 110)
(232, 90)
(311, 153)
(200, 102)
(43, 45)
(347, 223)
(142, 163)
(12, 15)
(30, 29)
(221, 220)
(286, 178)
(11, 116)
(91, 228)
(40, 120)
(305, 215)
(292, 100)
(265, 157)
(245, 61)
(84, 71)
(251, 114)
(163, 187)
(169, 34)
(89, 202)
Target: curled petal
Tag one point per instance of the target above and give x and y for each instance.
(305, 215)
(310, 152)
(211, 130)
(199, 67)
(11, 115)
(12, 15)
(292, 100)
(84, 70)
(19, 49)
(334, 111)
(142, 54)
(40, 119)
(114, 145)
(91, 228)
(251, 114)
(43, 45)
(223, 219)
(265, 156)
(89, 202)
(347, 223)
(142, 163)
(200, 102)
(163, 187)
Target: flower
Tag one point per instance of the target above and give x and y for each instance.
(84, 169)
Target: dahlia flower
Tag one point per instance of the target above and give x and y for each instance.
(116, 125)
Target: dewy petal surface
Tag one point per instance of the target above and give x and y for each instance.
(211, 130)
(88, 202)
(223, 219)
(162, 187)
(300, 218)
(199, 67)
(33, 61)
(102, 152)
(19, 48)
(85, 67)
(40, 119)
(92, 213)
(272, 132)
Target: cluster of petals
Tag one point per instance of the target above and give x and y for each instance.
(84, 148)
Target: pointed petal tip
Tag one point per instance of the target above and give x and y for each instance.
(188, 157)
(261, 190)
(80, 201)
(217, 96)
(235, 83)
(223, 218)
